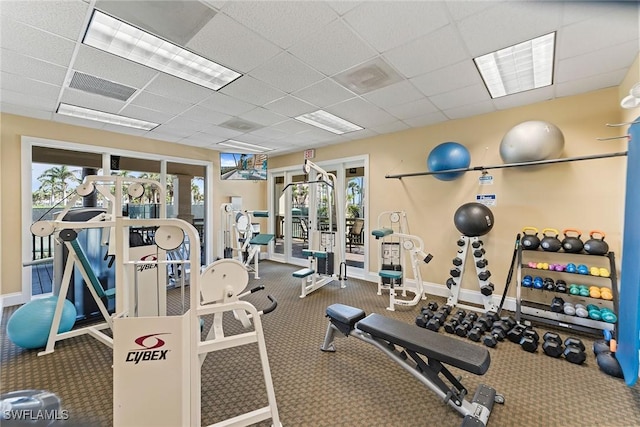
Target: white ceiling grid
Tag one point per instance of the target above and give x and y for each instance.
(298, 57)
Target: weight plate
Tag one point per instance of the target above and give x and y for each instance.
(42, 228)
(225, 277)
(169, 237)
(135, 190)
(394, 217)
(408, 244)
(68, 234)
(85, 189)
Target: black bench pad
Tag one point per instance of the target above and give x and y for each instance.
(345, 314)
(448, 350)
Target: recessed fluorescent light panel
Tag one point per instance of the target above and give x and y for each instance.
(518, 68)
(328, 121)
(101, 116)
(244, 146)
(119, 38)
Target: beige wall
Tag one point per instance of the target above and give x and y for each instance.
(585, 195)
(14, 127)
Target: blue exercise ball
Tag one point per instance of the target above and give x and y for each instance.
(448, 155)
(29, 325)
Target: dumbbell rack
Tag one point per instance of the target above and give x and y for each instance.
(534, 304)
(475, 245)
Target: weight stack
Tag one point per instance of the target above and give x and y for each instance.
(325, 265)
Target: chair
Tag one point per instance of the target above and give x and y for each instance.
(355, 231)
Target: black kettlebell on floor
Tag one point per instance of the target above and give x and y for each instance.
(530, 241)
(550, 243)
(595, 246)
(570, 243)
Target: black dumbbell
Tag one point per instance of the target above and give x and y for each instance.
(557, 305)
(463, 328)
(515, 334)
(450, 282)
(461, 312)
(561, 286)
(482, 263)
(446, 309)
(552, 345)
(477, 244)
(457, 261)
(483, 322)
(455, 272)
(479, 252)
(574, 351)
(450, 325)
(492, 315)
(502, 326)
(487, 289)
(460, 242)
(484, 275)
(426, 312)
(421, 320)
(475, 334)
(510, 321)
(433, 324)
(472, 316)
(491, 340)
(529, 340)
(433, 306)
(548, 284)
(440, 316)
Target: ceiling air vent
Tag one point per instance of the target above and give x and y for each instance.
(98, 86)
(367, 77)
(241, 125)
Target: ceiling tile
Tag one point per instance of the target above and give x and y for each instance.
(291, 126)
(37, 44)
(469, 110)
(426, 120)
(361, 112)
(175, 21)
(141, 113)
(396, 126)
(200, 139)
(263, 116)
(524, 98)
(125, 130)
(30, 101)
(22, 110)
(252, 91)
(441, 48)
(602, 61)
(180, 123)
(412, 109)
(462, 9)
(205, 115)
(282, 22)
(110, 67)
(448, 78)
(511, 23)
(290, 106)
(160, 103)
(587, 84)
(579, 11)
(20, 84)
(343, 6)
(235, 46)
(298, 75)
(333, 49)
(221, 132)
(165, 136)
(89, 100)
(459, 97)
(323, 93)
(174, 87)
(61, 17)
(31, 68)
(399, 93)
(226, 104)
(385, 25)
(620, 26)
(268, 133)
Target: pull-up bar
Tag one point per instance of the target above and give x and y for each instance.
(512, 165)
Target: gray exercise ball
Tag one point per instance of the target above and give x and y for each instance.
(531, 141)
(473, 219)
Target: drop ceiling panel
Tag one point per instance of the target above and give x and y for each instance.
(291, 126)
(283, 23)
(110, 67)
(333, 49)
(22, 110)
(37, 44)
(426, 120)
(578, 86)
(598, 62)
(385, 26)
(399, 93)
(176, 21)
(263, 116)
(461, 9)
(61, 17)
(199, 139)
(125, 130)
(459, 97)
(165, 136)
(298, 75)
(447, 79)
(579, 11)
(136, 112)
(205, 115)
(235, 46)
(14, 63)
(290, 106)
(620, 26)
(19, 84)
(323, 93)
(361, 112)
(344, 6)
(267, 134)
(396, 126)
(441, 48)
(94, 102)
(511, 23)
(160, 103)
(469, 110)
(30, 101)
(180, 123)
(412, 109)
(176, 88)
(221, 132)
(226, 104)
(252, 91)
(524, 98)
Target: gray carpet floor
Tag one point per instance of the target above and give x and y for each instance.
(355, 386)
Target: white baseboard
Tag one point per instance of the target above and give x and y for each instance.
(8, 300)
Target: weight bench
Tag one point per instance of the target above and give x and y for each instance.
(418, 344)
(312, 279)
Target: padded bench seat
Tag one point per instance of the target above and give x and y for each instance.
(262, 239)
(448, 350)
(390, 274)
(315, 254)
(302, 273)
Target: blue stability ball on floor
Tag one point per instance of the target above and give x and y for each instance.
(29, 325)
(448, 155)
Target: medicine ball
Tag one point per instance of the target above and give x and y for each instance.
(473, 219)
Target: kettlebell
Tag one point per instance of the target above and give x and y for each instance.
(530, 241)
(550, 243)
(595, 246)
(572, 244)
